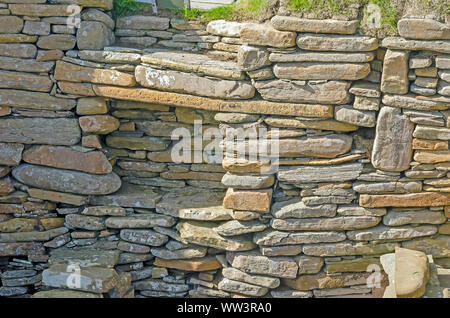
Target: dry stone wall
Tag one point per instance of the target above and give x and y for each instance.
(93, 203)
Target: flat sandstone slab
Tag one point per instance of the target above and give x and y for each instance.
(423, 199)
(182, 100)
(59, 131)
(66, 180)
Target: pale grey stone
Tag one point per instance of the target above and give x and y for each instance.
(392, 149)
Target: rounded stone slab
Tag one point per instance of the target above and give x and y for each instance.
(67, 181)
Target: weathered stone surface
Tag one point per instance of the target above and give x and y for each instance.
(19, 80)
(194, 205)
(93, 279)
(58, 197)
(10, 154)
(32, 236)
(284, 23)
(348, 114)
(384, 233)
(159, 285)
(290, 293)
(253, 263)
(431, 132)
(278, 238)
(305, 174)
(237, 275)
(426, 156)
(321, 71)
(411, 102)
(394, 218)
(88, 257)
(423, 29)
(17, 38)
(34, 100)
(135, 143)
(248, 200)
(97, 15)
(99, 124)
(439, 246)
(192, 84)
(195, 264)
(265, 35)
(197, 63)
(144, 237)
(236, 227)
(432, 156)
(423, 199)
(398, 43)
(327, 224)
(247, 182)
(19, 225)
(411, 273)
(66, 181)
(251, 58)
(334, 57)
(182, 100)
(18, 50)
(59, 131)
(394, 78)
(24, 65)
(84, 222)
(321, 281)
(242, 288)
(110, 57)
(387, 187)
(10, 24)
(64, 293)
(36, 28)
(21, 249)
(138, 22)
(347, 248)
(393, 142)
(311, 124)
(57, 42)
(94, 35)
(296, 208)
(225, 28)
(185, 253)
(75, 73)
(204, 234)
(354, 265)
(339, 43)
(332, 92)
(146, 220)
(129, 196)
(67, 158)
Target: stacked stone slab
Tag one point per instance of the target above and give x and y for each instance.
(91, 177)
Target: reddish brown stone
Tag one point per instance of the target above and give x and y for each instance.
(423, 199)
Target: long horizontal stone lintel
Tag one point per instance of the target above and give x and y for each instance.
(424, 199)
(183, 100)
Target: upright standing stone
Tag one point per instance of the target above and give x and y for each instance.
(392, 149)
(394, 79)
